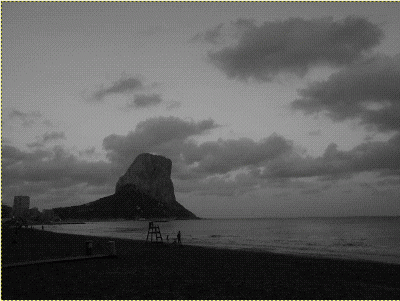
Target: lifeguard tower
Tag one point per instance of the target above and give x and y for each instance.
(154, 229)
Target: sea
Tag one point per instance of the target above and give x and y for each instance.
(361, 238)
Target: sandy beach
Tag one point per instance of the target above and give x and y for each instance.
(149, 271)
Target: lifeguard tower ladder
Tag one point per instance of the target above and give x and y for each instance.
(154, 229)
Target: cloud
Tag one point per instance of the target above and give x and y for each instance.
(48, 123)
(47, 137)
(43, 173)
(35, 144)
(12, 155)
(315, 133)
(174, 104)
(212, 35)
(295, 45)
(143, 101)
(88, 152)
(55, 165)
(366, 157)
(168, 136)
(27, 119)
(160, 134)
(224, 168)
(217, 186)
(5, 140)
(223, 156)
(311, 191)
(243, 25)
(55, 175)
(53, 136)
(368, 89)
(123, 85)
(389, 182)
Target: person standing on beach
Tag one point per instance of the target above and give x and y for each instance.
(179, 237)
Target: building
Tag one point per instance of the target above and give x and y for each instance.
(6, 211)
(21, 206)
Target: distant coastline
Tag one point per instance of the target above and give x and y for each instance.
(84, 221)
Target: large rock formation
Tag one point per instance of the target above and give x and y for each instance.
(151, 175)
(144, 191)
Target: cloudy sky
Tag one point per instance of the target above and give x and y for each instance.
(265, 109)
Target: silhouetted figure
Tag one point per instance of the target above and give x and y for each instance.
(167, 237)
(179, 237)
(42, 227)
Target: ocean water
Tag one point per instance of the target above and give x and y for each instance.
(370, 238)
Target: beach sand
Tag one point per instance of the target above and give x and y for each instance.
(149, 271)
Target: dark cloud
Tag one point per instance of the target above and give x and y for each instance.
(294, 46)
(55, 166)
(27, 119)
(53, 136)
(368, 89)
(366, 157)
(11, 155)
(160, 134)
(55, 175)
(169, 137)
(223, 156)
(123, 85)
(47, 137)
(49, 195)
(212, 35)
(143, 101)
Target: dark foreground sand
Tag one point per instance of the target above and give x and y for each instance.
(143, 271)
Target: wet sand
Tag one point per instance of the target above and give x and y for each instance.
(150, 271)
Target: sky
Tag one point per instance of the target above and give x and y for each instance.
(266, 109)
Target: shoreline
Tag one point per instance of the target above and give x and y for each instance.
(220, 248)
(151, 271)
(378, 258)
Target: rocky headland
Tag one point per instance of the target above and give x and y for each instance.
(144, 191)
